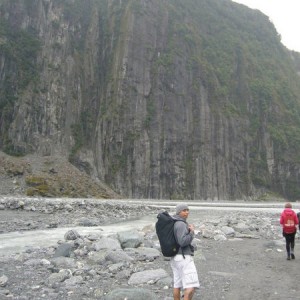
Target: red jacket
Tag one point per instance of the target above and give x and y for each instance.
(289, 221)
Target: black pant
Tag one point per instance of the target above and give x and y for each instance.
(289, 242)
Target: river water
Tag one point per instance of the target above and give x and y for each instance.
(14, 242)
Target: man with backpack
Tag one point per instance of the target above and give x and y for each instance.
(184, 270)
(289, 222)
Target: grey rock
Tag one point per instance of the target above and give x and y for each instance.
(220, 237)
(5, 293)
(64, 249)
(106, 243)
(242, 228)
(96, 257)
(229, 231)
(3, 280)
(130, 239)
(246, 236)
(165, 282)
(37, 262)
(209, 234)
(132, 294)
(71, 235)
(118, 256)
(69, 207)
(73, 281)
(98, 293)
(148, 276)
(143, 253)
(116, 267)
(61, 276)
(124, 274)
(63, 262)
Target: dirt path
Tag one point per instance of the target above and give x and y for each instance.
(247, 270)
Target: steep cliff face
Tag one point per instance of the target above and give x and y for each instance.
(139, 94)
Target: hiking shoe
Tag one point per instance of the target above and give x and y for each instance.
(292, 255)
(288, 258)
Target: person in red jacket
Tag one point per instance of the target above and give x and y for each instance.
(289, 222)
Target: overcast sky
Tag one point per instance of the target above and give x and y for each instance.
(284, 14)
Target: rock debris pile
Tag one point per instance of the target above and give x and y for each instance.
(50, 213)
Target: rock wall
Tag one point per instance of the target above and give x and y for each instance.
(121, 94)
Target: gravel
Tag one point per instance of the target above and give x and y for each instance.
(242, 266)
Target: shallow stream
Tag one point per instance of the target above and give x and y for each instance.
(14, 242)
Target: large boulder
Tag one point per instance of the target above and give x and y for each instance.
(149, 276)
(118, 256)
(132, 294)
(143, 253)
(130, 239)
(106, 243)
(64, 250)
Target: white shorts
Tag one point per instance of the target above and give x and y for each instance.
(184, 271)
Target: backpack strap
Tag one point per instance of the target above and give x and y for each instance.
(178, 244)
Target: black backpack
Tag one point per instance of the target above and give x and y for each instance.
(165, 232)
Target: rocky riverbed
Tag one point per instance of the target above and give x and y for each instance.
(240, 255)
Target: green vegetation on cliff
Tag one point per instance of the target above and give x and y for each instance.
(18, 51)
(249, 75)
(161, 100)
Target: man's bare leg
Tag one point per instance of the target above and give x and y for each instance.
(189, 293)
(176, 293)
